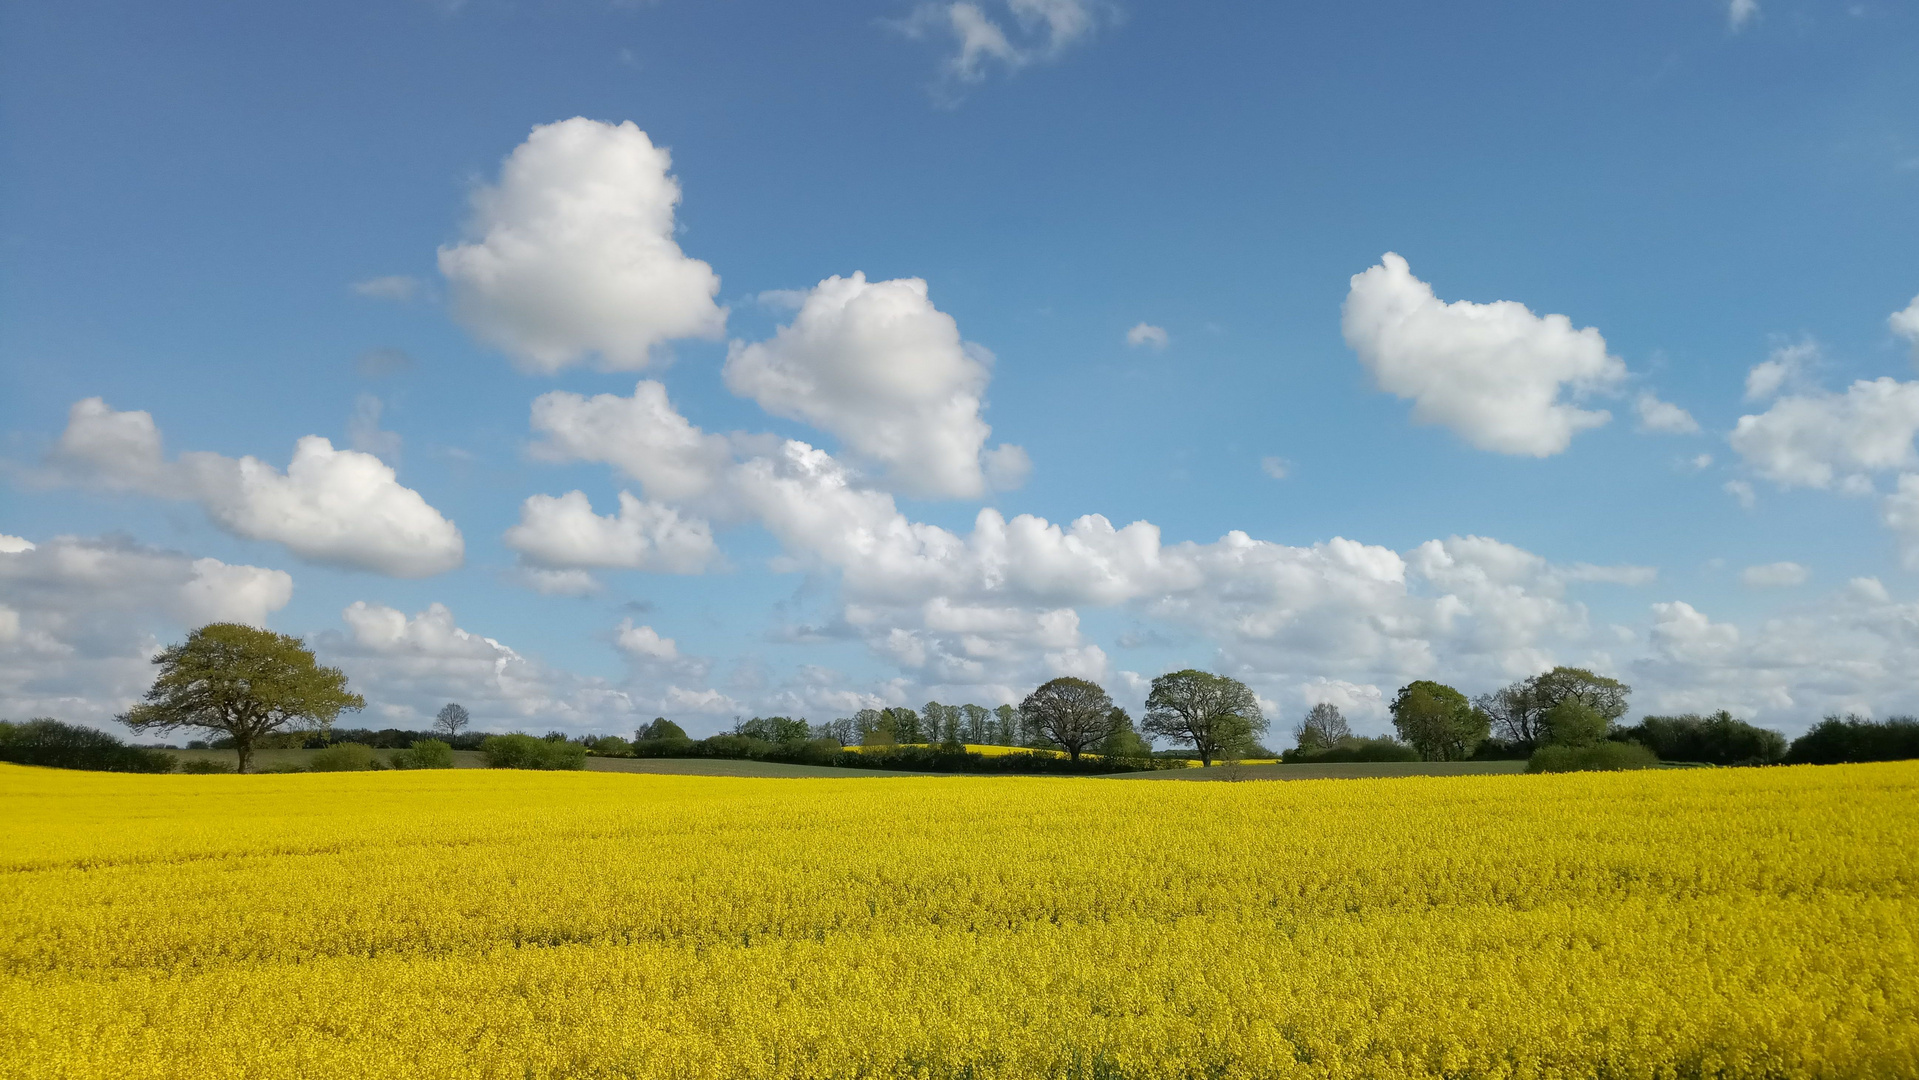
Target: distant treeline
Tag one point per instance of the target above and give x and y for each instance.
(1568, 719)
(1716, 739)
(794, 742)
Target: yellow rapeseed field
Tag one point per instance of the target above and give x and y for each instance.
(1700, 923)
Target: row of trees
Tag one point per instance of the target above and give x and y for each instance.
(1570, 718)
(251, 685)
(1213, 715)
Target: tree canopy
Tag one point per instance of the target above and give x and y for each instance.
(1518, 713)
(1324, 727)
(660, 728)
(1212, 713)
(1438, 721)
(1072, 712)
(243, 682)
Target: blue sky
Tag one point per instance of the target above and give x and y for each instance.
(255, 225)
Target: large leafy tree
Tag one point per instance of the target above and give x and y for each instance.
(1438, 721)
(1072, 712)
(1518, 712)
(244, 683)
(1212, 713)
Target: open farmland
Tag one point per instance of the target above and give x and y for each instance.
(1733, 923)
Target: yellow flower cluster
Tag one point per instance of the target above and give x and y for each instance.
(1700, 923)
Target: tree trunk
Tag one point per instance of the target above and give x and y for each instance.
(245, 750)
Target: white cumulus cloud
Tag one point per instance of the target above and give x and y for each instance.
(1817, 438)
(1493, 373)
(1906, 324)
(562, 532)
(643, 436)
(643, 642)
(1664, 416)
(878, 366)
(573, 253)
(1900, 512)
(81, 617)
(338, 507)
(1785, 365)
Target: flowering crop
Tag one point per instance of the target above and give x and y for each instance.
(1698, 923)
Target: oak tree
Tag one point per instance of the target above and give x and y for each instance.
(1214, 714)
(243, 682)
(1072, 712)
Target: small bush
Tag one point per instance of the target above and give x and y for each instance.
(1354, 749)
(1597, 757)
(519, 751)
(206, 766)
(611, 746)
(69, 746)
(283, 767)
(424, 754)
(1855, 738)
(345, 757)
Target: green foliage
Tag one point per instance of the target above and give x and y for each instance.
(1323, 728)
(610, 746)
(280, 767)
(1594, 757)
(49, 742)
(518, 751)
(1125, 741)
(1572, 722)
(1074, 713)
(345, 757)
(667, 747)
(1518, 712)
(1718, 739)
(1215, 715)
(1856, 738)
(773, 729)
(1438, 721)
(244, 683)
(1352, 749)
(660, 728)
(205, 766)
(425, 754)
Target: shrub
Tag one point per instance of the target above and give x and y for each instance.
(662, 728)
(345, 757)
(611, 746)
(663, 747)
(206, 766)
(424, 754)
(1598, 757)
(69, 746)
(518, 751)
(1354, 749)
(283, 767)
(1718, 739)
(1856, 738)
